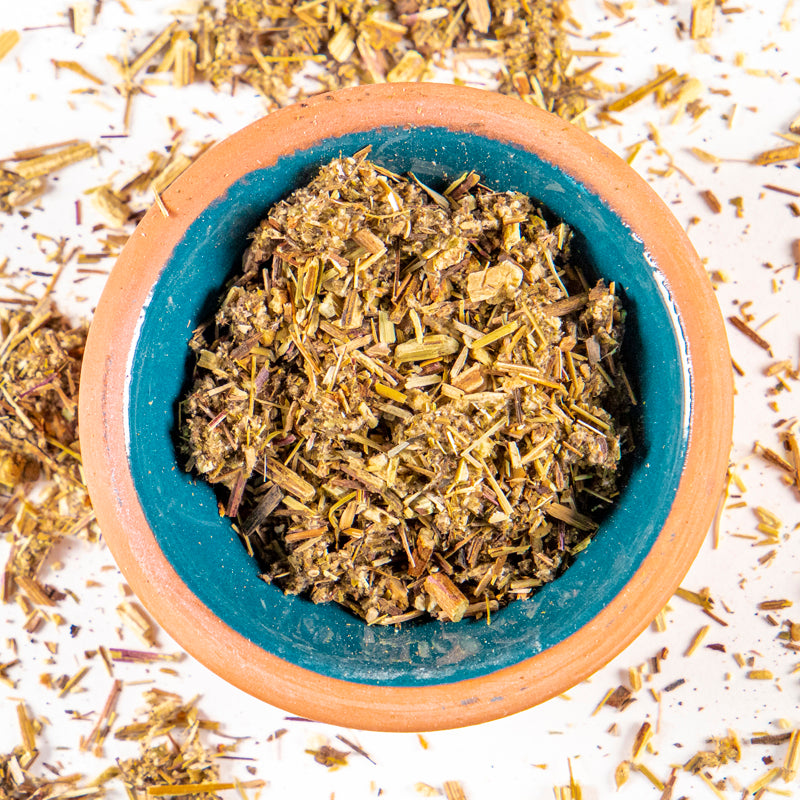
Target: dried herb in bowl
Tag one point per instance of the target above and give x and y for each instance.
(414, 400)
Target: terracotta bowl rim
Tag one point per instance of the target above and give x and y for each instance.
(396, 708)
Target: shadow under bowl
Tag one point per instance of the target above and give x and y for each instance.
(185, 562)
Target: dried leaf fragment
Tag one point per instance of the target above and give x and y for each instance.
(765, 780)
(111, 206)
(481, 14)
(620, 698)
(26, 729)
(777, 155)
(643, 91)
(702, 22)
(759, 675)
(203, 788)
(453, 790)
(329, 756)
(80, 17)
(752, 335)
(409, 69)
(8, 41)
(622, 773)
(138, 622)
(791, 762)
(78, 69)
(47, 163)
(447, 595)
(725, 749)
(697, 640)
(712, 201)
(774, 605)
(643, 736)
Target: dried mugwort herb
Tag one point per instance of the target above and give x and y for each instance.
(411, 413)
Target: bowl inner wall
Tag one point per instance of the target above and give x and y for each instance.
(207, 554)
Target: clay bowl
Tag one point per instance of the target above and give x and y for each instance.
(186, 564)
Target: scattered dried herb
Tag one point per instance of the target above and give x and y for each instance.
(266, 45)
(23, 177)
(173, 760)
(402, 399)
(17, 779)
(40, 362)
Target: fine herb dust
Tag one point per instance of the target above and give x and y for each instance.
(413, 399)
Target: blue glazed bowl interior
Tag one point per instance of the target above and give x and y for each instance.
(207, 554)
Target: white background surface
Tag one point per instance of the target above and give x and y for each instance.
(526, 755)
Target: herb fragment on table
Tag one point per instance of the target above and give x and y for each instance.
(759, 675)
(712, 201)
(141, 656)
(774, 605)
(642, 91)
(329, 756)
(355, 748)
(643, 737)
(642, 769)
(791, 762)
(8, 41)
(777, 155)
(406, 415)
(453, 790)
(773, 738)
(94, 740)
(622, 773)
(702, 21)
(696, 640)
(724, 749)
(136, 619)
